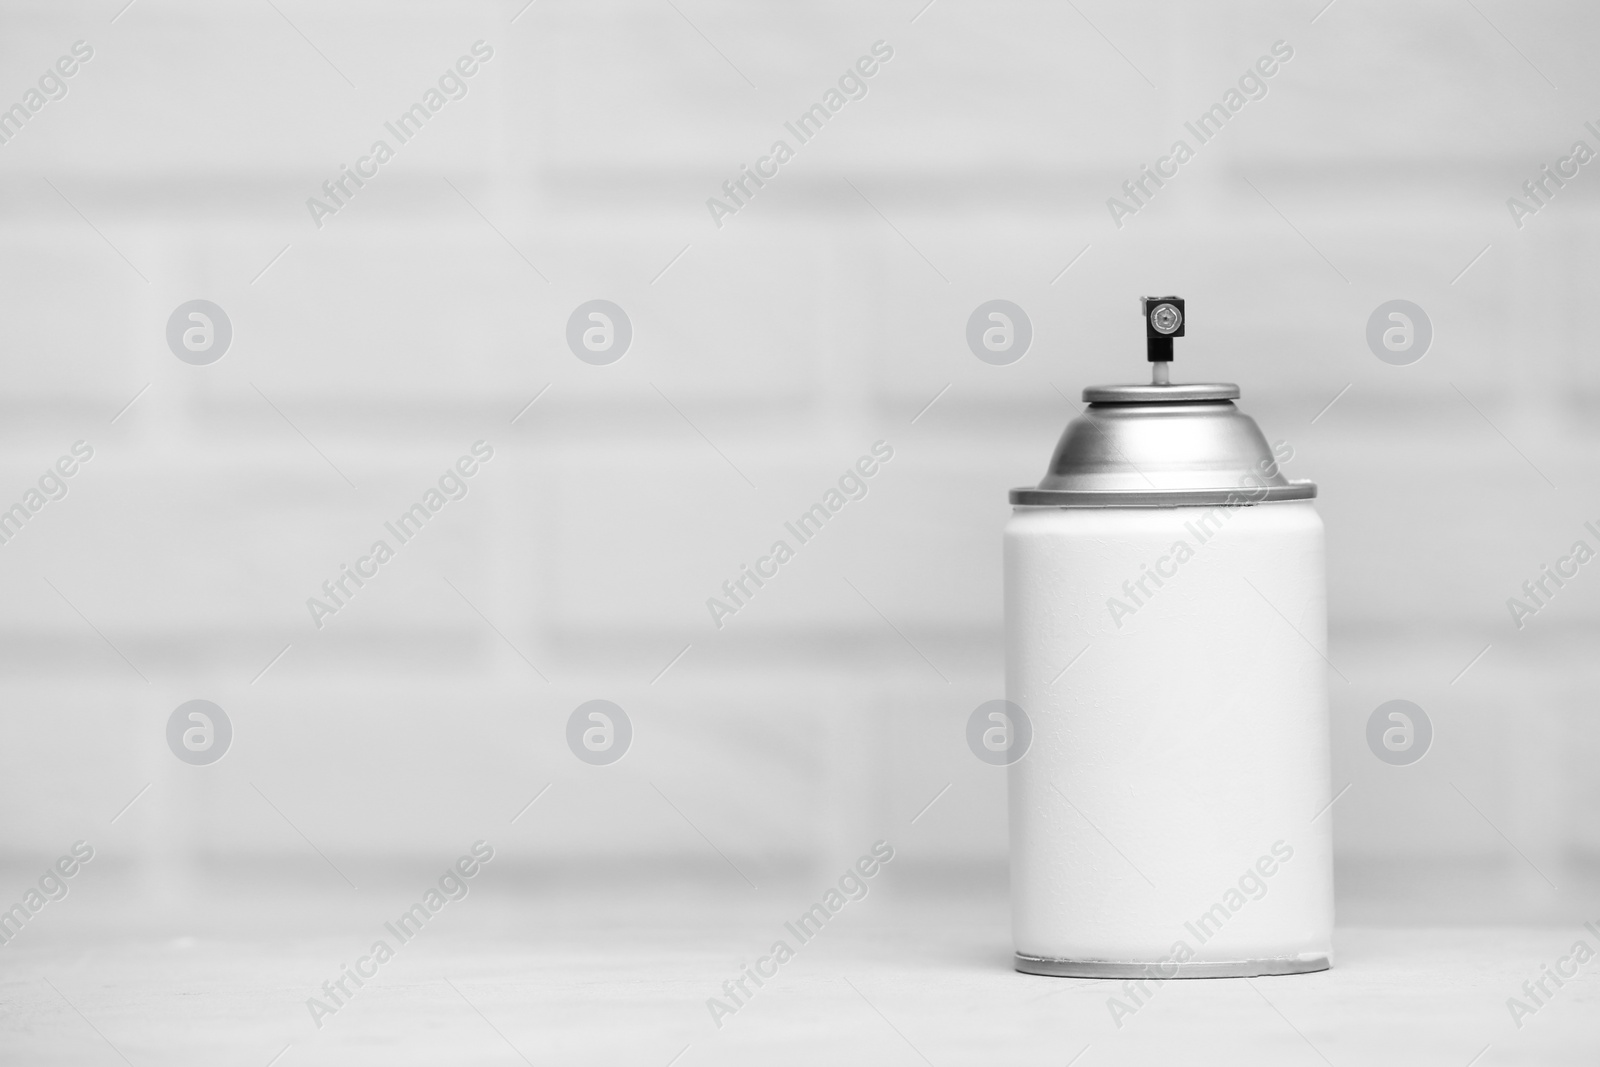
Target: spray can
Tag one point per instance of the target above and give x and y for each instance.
(1166, 627)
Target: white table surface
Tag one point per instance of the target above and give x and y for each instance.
(217, 972)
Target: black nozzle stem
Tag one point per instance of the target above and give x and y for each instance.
(1163, 320)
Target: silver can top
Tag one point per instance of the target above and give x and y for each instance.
(1163, 444)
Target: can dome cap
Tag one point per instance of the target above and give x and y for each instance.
(1164, 444)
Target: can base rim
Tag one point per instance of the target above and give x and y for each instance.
(1156, 970)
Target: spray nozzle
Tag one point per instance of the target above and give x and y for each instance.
(1163, 320)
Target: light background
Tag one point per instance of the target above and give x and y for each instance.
(768, 354)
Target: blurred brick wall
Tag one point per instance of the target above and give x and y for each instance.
(823, 317)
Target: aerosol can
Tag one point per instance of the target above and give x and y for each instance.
(1166, 628)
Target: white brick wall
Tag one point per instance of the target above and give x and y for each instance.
(793, 337)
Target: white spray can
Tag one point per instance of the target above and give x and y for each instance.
(1166, 627)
